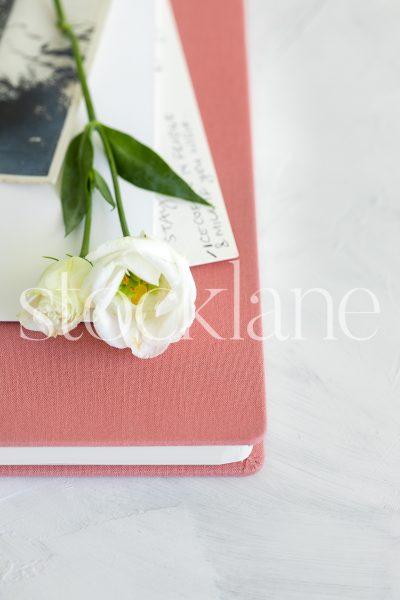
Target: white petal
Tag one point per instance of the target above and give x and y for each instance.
(166, 304)
(107, 327)
(147, 350)
(103, 284)
(75, 269)
(28, 321)
(143, 268)
(118, 245)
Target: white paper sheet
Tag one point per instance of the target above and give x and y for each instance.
(128, 97)
(123, 455)
(31, 223)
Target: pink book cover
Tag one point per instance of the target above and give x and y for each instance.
(202, 391)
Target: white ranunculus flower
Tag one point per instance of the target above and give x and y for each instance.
(142, 293)
(56, 304)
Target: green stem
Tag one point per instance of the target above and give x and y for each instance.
(88, 224)
(114, 176)
(66, 28)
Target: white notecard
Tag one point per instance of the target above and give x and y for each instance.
(204, 235)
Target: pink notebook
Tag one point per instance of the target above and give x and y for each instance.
(203, 391)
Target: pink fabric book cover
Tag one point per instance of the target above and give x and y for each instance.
(202, 391)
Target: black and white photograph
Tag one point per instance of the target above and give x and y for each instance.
(37, 83)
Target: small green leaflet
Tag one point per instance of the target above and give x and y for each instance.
(143, 167)
(101, 185)
(74, 185)
(134, 161)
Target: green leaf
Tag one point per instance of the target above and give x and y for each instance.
(74, 184)
(141, 166)
(101, 185)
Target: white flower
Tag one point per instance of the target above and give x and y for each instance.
(56, 305)
(143, 294)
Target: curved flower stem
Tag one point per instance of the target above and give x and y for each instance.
(66, 28)
(88, 225)
(114, 176)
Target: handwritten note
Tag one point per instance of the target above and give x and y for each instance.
(203, 234)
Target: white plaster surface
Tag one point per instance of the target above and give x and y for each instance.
(321, 520)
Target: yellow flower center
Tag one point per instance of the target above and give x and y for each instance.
(137, 292)
(134, 288)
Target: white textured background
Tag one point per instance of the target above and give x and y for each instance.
(321, 521)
